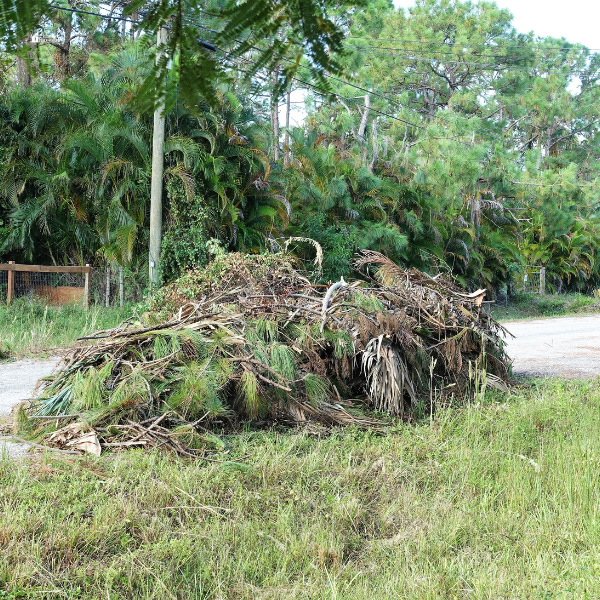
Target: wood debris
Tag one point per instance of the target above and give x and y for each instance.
(252, 339)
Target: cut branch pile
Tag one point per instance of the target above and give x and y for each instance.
(251, 339)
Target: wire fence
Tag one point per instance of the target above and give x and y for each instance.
(531, 281)
(107, 286)
(115, 287)
(55, 288)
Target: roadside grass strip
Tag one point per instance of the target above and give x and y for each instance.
(494, 500)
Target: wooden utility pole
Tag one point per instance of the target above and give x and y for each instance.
(158, 141)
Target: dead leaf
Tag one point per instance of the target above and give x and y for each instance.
(86, 443)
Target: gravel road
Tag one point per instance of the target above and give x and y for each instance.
(17, 382)
(566, 346)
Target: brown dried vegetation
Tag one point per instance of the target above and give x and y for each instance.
(252, 339)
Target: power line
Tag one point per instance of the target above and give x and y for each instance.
(87, 12)
(481, 66)
(417, 58)
(204, 44)
(386, 98)
(355, 87)
(466, 45)
(438, 52)
(435, 116)
(354, 100)
(433, 54)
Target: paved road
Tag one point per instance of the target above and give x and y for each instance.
(17, 382)
(18, 379)
(566, 346)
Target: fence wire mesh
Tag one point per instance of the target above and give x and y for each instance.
(56, 288)
(108, 287)
(112, 287)
(531, 281)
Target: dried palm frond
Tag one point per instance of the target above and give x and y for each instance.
(249, 338)
(315, 244)
(388, 377)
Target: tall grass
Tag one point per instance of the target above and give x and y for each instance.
(497, 500)
(32, 327)
(532, 306)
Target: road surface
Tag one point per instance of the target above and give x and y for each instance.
(17, 382)
(565, 346)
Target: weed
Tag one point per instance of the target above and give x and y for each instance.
(29, 326)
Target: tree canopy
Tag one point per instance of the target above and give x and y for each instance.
(440, 136)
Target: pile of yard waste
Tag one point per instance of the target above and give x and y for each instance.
(251, 339)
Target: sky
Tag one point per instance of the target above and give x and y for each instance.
(576, 20)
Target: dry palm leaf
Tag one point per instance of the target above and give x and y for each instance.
(251, 339)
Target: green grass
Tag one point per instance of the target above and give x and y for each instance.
(532, 306)
(30, 327)
(495, 501)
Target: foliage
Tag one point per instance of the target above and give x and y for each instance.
(77, 170)
(184, 243)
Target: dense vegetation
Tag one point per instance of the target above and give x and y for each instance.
(440, 136)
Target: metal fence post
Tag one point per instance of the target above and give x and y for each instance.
(86, 289)
(121, 287)
(542, 281)
(11, 285)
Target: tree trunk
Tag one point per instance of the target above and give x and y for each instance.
(23, 74)
(111, 13)
(432, 105)
(275, 114)
(286, 146)
(365, 117)
(134, 17)
(476, 215)
(374, 143)
(363, 127)
(64, 66)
